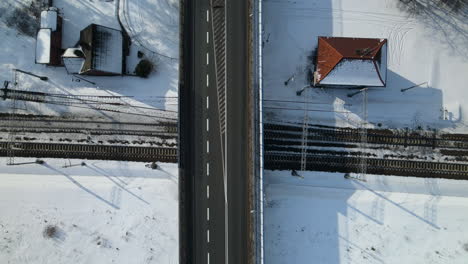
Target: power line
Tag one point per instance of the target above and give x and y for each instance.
(297, 102)
(308, 110)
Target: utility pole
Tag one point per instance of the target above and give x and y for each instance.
(43, 78)
(11, 137)
(411, 87)
(5, 89)
(361, 89)
(305, 130)
(363, 132)
(289, 79)
(38, 161)
(73, 165)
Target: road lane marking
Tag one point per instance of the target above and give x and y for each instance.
(207, 80)
(207, 146)
(207, 124)
(207, 16)
(207, 102)
(208, 236)
(208, 214)
(208, 260)
(207, 169)
(208, 191)
(207, 37)
(207, 58)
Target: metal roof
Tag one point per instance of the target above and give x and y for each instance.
(332, 50)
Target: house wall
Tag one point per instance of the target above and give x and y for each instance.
(56, 50)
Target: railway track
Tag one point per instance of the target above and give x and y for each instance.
(77, 120)
(166, 133)
(282, 145)
(81, 151)
(292, 135)
(167, 130)
(344, 164)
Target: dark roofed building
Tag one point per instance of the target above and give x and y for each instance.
(102, 48)
(351, 62)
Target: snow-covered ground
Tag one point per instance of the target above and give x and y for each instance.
(104, 212)
(428, 48)
(152, 24)
(325, 218)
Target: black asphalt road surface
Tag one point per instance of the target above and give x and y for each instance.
(237, 129)
(204, 237)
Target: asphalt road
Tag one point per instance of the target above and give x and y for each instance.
(202, 162)
(212, 207)
(237, 130)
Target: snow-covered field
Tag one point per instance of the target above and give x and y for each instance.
(325, 218)
(429, 48)
(104, 212)
(153, 27)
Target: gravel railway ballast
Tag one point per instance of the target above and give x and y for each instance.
(83, 151)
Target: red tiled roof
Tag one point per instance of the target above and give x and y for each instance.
(331, 50)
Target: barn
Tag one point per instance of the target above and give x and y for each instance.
(348, 62)
(49, 39)
(99, 52)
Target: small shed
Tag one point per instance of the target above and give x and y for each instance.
(73, 59)
(49, 39)
(100, 52)
(351, 62)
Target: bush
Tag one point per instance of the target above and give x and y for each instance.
(144, 68)
(50, 231)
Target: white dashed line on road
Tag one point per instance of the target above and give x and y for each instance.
(207, 80)
(207, 16)
(208, 191)
(208, 236)
(207, 58)
(208, 258)
(207, 37)
(207, 169)
(207, 124)
(208, 214)
(207, 146)
(207, 102)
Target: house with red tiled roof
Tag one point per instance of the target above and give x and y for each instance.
(351, 62)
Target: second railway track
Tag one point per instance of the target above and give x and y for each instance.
(282, 145)
(292, 134)
(316, 162)
(82, 151)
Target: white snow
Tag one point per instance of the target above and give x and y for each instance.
(105, 212)
(428, 49)
(325, 218)
(353, 72)
(329, 219)
(43, 46)
(158, 93)
(49, 19)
